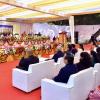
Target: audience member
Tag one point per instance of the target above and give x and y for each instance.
(94, 48)
(98, 54)
(58, 54)
(69, 49)
(68, 70)
(94, 57)
(93, 40)
(22, 61)
(74, 50)
(25, 62)
(81, 47)
(85, 61)
(79, 51)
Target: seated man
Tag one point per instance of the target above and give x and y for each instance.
(68, 70)
(71, 49)
(98, 54)
(93, 57)
(25, 62)
(58, 54)
(74, 50)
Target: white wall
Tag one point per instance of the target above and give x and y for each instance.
(49, 30)
(25, 28)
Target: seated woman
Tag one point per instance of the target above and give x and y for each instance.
(25, 62)
(58, 54)
(85, 61)
(68, 70)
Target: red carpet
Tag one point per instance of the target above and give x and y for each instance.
(7, 92)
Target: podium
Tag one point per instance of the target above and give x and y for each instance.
(63, 40)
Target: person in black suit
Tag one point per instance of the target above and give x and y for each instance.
(22, 61)
(58, 54)
(94, 57)
(74, 50)
(98, 54)
(71, 49)
(68, 70)
(93, 40)
(85, 61)
(25, 62)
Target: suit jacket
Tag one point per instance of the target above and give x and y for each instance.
(65, 73)
(25, 62)
(98, 57)
(74, 51)
(58, 55)
(83, 65)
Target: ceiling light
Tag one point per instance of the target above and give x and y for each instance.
(27, 1)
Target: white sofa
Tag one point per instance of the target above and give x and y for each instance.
(31, 79)
(77, 88)
(97, 74)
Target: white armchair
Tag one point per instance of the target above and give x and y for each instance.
(77, 88)
(97, 74)
(20, 79)
(31, 79)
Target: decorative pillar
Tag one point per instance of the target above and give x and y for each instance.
(71, 24)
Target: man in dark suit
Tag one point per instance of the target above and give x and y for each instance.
(58, 54)
(25, 62)
(74, 50)
(93, 40)
(98, 54)
(68, 70)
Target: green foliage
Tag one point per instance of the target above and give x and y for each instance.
(61, 22)
(88, 19)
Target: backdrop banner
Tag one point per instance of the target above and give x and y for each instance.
(6, 29)
(49, 30)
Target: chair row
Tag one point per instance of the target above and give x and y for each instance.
(78, 87)
(31, 79)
